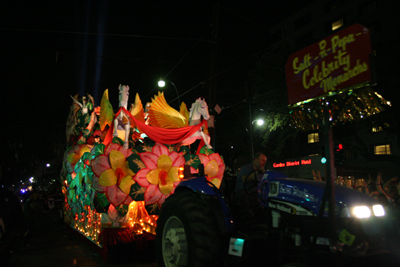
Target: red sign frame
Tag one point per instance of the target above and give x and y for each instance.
(334, 63)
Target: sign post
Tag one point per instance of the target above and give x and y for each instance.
(328, 67)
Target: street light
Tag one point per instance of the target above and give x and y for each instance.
(161, 84)
(259, 122)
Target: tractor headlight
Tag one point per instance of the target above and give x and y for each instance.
(362, 212)
(378, 210)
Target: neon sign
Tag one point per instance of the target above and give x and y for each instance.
(292, 163)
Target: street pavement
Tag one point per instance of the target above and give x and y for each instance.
(55, 244)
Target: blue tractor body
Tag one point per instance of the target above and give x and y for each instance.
(293, 213)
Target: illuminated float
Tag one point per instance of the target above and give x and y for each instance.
(119, 168)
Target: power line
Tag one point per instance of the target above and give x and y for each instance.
(108, 34)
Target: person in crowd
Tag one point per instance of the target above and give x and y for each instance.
(29, 208)
(245, 194)
(11, 222)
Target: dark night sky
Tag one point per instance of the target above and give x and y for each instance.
(53, 49)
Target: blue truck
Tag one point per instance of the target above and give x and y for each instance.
(199, 226)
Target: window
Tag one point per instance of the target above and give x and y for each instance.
(377, 129)
(382, 150)
(337, 24)
(313, 138)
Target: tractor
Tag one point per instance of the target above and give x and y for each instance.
(200, 226)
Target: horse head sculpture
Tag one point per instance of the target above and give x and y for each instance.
(199, 109)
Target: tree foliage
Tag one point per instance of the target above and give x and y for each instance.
(267, 84)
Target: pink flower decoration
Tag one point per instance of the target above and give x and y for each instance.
(214, 168)
(111, 174)
(73, 156)
(161, 175)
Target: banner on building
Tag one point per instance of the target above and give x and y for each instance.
(334, 63)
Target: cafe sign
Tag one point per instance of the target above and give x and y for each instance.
(334, 63)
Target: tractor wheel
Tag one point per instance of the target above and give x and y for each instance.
(187, 232)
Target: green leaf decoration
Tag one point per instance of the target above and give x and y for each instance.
(144, 147)
(137, 192)
(89, 175)
(206, 151)
(135, 163)
(117, 140)
(122, 209)
(98, 149)
(153, 209)
(192, 160)
(185, 150)
(101, 203)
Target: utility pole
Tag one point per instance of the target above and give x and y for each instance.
(213, 65)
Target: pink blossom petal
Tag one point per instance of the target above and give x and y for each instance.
(128, 200)
(149, 159)
(217, 158)
(100, 164)
(220, 174)
(126, 152)
(193, 170)
(141, 179)
(204, 159)
(161, 200)
(152, 194)
(112, 146)
(177, 159)
(97, 186)
(115, 196)
(160, 149)
(76, 149)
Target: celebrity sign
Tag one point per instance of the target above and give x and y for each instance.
(336, 62)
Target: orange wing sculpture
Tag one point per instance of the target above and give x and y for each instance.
(137, 111)
(160, 114)
(184, 111)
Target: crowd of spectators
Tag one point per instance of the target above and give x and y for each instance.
(18, 209)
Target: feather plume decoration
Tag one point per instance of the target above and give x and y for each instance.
(163, 116)
(106, 112)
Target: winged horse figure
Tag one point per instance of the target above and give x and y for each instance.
(199, 109)
(121, 122)
(160, 114)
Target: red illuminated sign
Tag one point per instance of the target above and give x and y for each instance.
(336, 62)
(292, 163)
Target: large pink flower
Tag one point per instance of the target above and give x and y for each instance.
(214, 168)
(111, 174)
(161, 175)
(73, 156)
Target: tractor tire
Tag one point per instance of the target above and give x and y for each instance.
(187, 232)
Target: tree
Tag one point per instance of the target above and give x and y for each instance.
(268, 86)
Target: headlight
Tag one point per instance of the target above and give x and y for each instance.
(362, 212)
(379, 211)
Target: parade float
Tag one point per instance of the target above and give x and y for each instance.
(119, 167)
